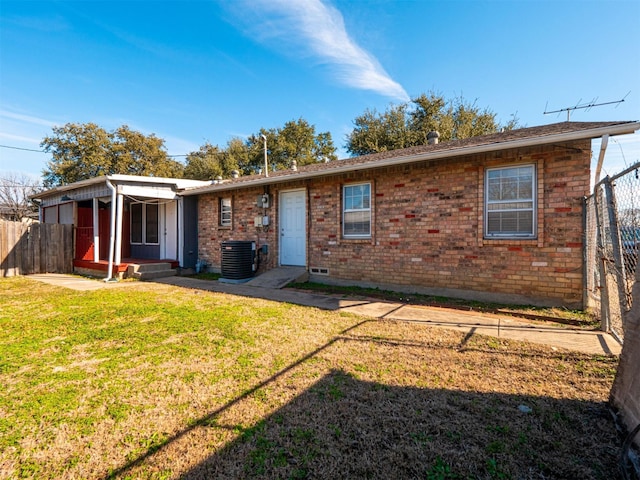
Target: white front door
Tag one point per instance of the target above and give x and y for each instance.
(293, 232)
(170, 231)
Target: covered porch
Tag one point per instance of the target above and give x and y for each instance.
(125, 224)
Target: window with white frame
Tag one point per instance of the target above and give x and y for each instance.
(356, 212)
(225, 212)
(510, 202)
(144, 223)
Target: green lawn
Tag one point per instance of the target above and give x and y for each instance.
(154, 381)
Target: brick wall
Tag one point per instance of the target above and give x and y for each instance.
(244, 209)
(427, 226)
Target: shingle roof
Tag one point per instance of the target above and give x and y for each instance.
(557, 132)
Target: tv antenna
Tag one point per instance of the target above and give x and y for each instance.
(587, 106)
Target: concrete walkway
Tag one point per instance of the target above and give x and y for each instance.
(503, 326)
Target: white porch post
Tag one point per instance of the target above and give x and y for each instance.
(96, 230)
(180, 231)
(118, 252)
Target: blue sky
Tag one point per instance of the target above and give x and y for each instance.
(198, 71)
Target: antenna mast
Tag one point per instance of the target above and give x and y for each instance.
(579, 106)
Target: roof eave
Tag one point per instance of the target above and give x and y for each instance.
(621, 129)
(178, 183)
(71, 186)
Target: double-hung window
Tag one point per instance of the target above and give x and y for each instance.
(225, 212)
(144, 223)
(510, 202)
(356, 212)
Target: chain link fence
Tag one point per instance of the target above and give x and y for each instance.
(611, 249)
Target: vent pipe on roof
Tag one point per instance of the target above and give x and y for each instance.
(294, 165)
(235, 173)
(432, 138)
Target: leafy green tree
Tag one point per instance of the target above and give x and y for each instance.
(138, 154)
(209, 163)
(296, 140)
(79, 151)
(408, 124)
(83, 151)
(239, 154)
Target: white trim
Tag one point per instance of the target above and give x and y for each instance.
(180, 232)
(138, 181)
(143, 220)
(119, 209)
(534, 208)
(281, 216)
(162, 230)
(344, 211)
(112, 221)
(230, 212)
(96, 230)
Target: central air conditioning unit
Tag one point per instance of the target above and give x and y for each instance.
(238, 259)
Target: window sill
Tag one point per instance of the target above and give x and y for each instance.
(510, 240)
(356, 239)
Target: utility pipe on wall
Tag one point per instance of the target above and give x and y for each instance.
(96, 230)
(118, 248)
(112, 238)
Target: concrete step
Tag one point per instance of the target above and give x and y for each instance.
(148, 271)
(152, 275)
(148, 267)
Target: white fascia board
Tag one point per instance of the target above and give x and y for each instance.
(179, 183)
(146, 191)
(621, 129)
(69, 187)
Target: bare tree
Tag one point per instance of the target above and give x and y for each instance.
(15, 190)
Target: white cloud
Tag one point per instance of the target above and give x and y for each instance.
(4, 114)
(319, 30)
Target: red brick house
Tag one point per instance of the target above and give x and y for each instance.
(497, 217)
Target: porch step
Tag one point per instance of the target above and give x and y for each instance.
(148, 271)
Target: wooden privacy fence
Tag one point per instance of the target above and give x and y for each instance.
(36, 248)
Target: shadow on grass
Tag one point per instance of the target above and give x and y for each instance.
(343, 427)
(346, 427)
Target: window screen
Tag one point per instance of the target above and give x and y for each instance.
(510, 202)
(136, 223)
(357, 210)
(152, 223)
(144, 223)
(225, 212)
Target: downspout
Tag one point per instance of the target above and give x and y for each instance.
(112, 231)
(180, 227)
(603, 149)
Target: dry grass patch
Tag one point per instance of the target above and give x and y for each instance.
(162, 382)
